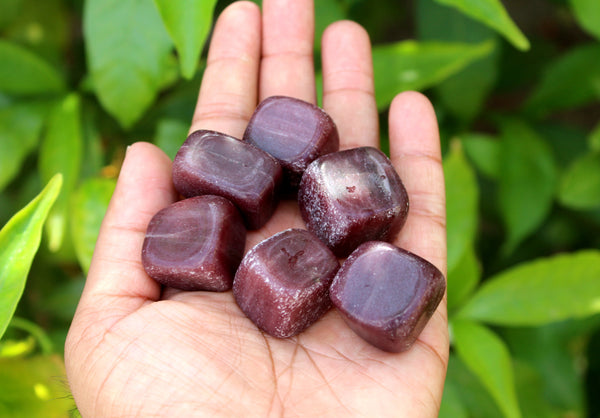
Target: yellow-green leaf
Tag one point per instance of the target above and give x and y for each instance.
(61, 152)
(463, 278)
(539, 292)
(527, 181)
(594, 138)
(570, 81)
(493, 14)
(88, 207)
(128, 53)
(19, 241)
(170, 134)
(484, 151)
(188, 23)
(34, 387)
(580, 184)
(486, 355)
(24, 73)
(587, 13)
(20, 127)
(410, 65)
(462, 195)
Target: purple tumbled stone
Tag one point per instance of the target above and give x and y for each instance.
(387, 295)
(293, 131)
(210, 162)
(282, 283)
(195, 244)
(352, 196)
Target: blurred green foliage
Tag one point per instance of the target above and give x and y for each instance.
(516, 86)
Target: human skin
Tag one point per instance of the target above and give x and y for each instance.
(135, 349)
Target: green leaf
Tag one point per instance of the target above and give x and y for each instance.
(580, 184)
(170, 134)
(452, 406)
(557, 363)
(463, 94)
(411, 65)
(20, 127)
(486, 355)
(463, 278)
(326, 12)
(594, 138)
(10, 10)
(188, 23)
(533, 399)
(61, 152)
(24, 73)
(572, 80)
(462, 196)
(484, 151)
(44, 27)
(33, 387)
(19, 241)
(20, 348)
(493, 14)
(474, 396)
(35, 331)
(539, 292)
(587, 13)
(527, 182)
(88, 207)
(128, 52)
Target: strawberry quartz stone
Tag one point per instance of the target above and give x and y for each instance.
(293, 131)
(352, 196)
(211, 162)
(282, 284)
(387, 295)
(195, 244)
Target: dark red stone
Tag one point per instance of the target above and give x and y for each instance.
(352, 196)
(387, 295)
(210, 162)
(195, 244)
(293, 131)
(282, 283)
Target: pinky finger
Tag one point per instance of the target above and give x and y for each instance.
(415, 152)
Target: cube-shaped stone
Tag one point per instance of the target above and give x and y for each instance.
(211, 162)
(293, 131)
(387, 295)
(352, 196)
(195, 244)
(282, 284)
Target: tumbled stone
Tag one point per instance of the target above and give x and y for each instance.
(352, 196)
(387, 295)
(282, 283)
(195, 244)
(293, 131)
(210, 162)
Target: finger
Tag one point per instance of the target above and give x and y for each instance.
(287, 49)
(228, 94)
(415, 152)
(117, 283)
(348, 88)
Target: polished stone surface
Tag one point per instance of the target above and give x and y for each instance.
(210, 162)
(195, 244)
(293, 131)
(387, 295)
(352, 196)
(282, 283)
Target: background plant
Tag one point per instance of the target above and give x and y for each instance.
(516, 86)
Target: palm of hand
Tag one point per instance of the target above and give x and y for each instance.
(134, 351)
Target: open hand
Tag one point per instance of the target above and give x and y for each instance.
(135, 349)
